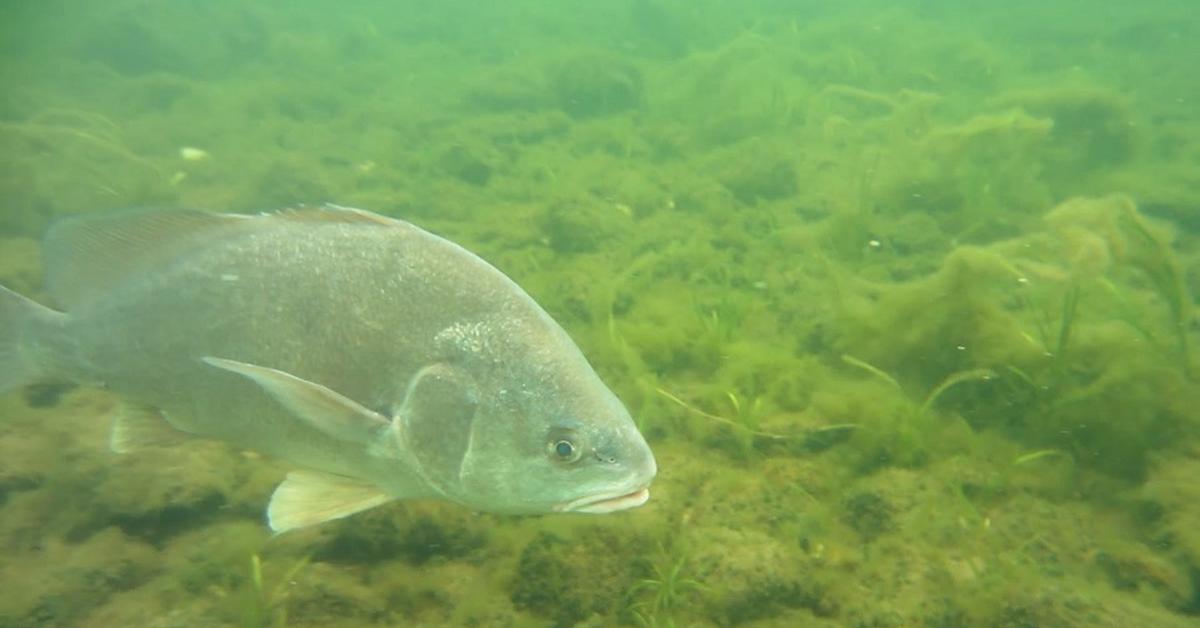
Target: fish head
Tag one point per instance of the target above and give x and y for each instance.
(557, 450)
(528, 437)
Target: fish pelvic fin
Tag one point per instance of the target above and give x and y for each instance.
(138, 426)
(320, 407)
(307, 498)
(27, 330)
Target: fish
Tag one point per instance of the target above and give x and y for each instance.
(379, 360)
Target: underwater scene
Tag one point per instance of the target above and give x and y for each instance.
(899, 295)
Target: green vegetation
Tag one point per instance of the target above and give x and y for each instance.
(903, 301)
(661, 594)
(265, 606)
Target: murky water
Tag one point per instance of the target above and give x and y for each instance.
(899, 293)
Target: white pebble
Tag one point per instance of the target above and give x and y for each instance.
(191, 153)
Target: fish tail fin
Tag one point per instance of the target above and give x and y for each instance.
(23, 326)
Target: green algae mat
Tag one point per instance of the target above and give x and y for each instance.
(901, 296)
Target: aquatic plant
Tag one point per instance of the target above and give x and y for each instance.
(1093, 130)
(265, 606)
(869, 514)
(87, 128)
(582, 572)
(745, 420)
(953, 380)
(905, 429)
(864, 365)
(1042, 454)
(1157, 260)
(596, 83)
(663, 592)
(1102, 238)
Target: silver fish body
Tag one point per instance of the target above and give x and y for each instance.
(384, 360)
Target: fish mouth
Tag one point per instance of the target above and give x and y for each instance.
(611, 501)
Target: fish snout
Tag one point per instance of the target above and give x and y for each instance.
(607, 501)
(636, 468)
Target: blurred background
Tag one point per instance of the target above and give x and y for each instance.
(899, 292)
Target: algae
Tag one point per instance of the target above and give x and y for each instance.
(902, 298)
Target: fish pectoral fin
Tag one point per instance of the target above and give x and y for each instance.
(137, 426)
(307, 498)
(324, 409)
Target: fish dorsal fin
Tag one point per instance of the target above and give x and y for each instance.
(86, 255)
(307, 498)
(336, 213)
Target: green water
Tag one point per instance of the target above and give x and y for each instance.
(899, 293)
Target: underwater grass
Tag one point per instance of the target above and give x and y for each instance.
(1042, 454)
(89, 128)
(263, 606)
(954, 379)
(1162, 267)
(877, 372)
(741, 426)
(951, 381)
(968, 165)
(1069, 308)
(664, 592)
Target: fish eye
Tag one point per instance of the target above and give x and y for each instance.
(565, 445)
(564, 450)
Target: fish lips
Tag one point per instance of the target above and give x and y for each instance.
(609, 501)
